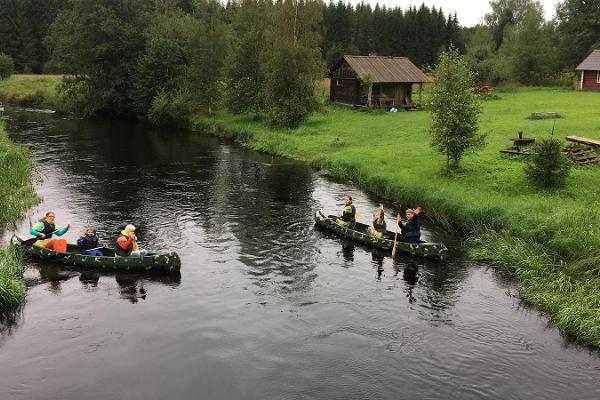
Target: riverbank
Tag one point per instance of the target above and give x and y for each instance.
(29, 90)
(16, 196)
(542, 238)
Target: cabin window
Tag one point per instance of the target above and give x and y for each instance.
(598, 77)
(339, 82)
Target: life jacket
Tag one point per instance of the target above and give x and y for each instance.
(379, 224)
(119, 250)
(349, 213)
(89, 242)
(411, 228)
(48, 229)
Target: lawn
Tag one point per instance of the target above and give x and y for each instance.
(548, 240)
(30, 90)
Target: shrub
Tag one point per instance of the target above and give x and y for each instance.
(547, 167)
(7, 67)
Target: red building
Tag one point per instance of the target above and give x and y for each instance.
(589, 71)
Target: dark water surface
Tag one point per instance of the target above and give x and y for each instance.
(265, 306)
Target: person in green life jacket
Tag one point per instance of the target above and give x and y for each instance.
(347, 216)
(44, 230)
(379, 225)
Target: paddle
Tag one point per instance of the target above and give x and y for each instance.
(31, 241)
(395, 239)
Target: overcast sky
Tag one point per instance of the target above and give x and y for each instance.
(470, 12)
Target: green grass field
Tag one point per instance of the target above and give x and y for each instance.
(30, 90)
(548, 240)
(16, 196)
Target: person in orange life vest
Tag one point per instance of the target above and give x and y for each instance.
(44, 230)
(127, 244)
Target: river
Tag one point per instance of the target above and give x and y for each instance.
(265, 307)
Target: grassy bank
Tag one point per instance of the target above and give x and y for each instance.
(548, 240)
(31, 90)
(16, 196)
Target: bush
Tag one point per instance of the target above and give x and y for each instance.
(7, 66)
(168, 108)
(547, 167)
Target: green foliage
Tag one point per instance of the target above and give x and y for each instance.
(12, 287)
(293, 63)
(245, 75)
(527, 53)
(98, 43)
(578, 30)
(416, 32)
(7, 67)
(547, 167)
(208, 52)
(16, 191)
(507, 13)
(163, 65)
(23, 26)
(455, 109)
(170, 108)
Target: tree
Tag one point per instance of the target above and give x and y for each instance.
(455, 109)
(579, 30)
(509, 12)
(7, 67)
(162, 68)
(245, 76)
(209, 49)
(480, 54)
(293, 62)
(97, 43)
(547, 167)
(527, 52)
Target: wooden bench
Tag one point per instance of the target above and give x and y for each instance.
(583, 140)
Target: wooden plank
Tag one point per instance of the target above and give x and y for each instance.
(509, 151)
(583, 140)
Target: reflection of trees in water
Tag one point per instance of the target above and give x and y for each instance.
(9, 321)
(269, 211)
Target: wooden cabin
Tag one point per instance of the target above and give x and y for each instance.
(392, 77)
(589, 71)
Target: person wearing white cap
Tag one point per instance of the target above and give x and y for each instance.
(127, 244)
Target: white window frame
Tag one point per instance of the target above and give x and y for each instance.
(597, 76)
(339, 83)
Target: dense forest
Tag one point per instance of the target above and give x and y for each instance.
(155, 58)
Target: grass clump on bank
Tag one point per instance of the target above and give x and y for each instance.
(31, 90)
(16, 196)
(542, 237)
(12, 287)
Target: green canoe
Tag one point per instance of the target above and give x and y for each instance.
(153, 262)
(361, 234)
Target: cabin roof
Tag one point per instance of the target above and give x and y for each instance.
(592, 62)
(386, 69)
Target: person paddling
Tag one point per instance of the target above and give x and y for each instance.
(347, 216)
(127, 244)
(379, 225)
(90, 243)
(411, 226)
(44, 230)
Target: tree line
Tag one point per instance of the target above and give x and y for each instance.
(161, 59)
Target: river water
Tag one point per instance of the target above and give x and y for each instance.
(265, 307)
